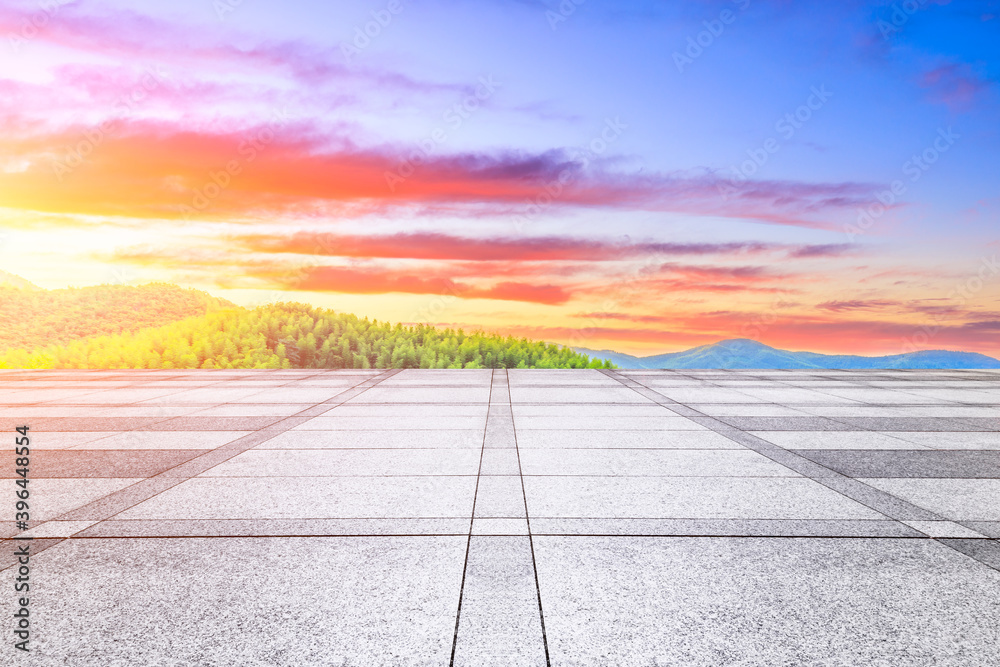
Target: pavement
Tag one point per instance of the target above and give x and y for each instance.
(521, 517)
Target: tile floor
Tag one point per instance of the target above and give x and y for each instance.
(522, 517)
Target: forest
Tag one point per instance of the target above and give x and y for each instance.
(31, 317)
(292, 335)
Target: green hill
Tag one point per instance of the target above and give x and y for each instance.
(295, 335)
(31, 317)
(11, 281)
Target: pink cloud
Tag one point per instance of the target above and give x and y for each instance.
(955, 85)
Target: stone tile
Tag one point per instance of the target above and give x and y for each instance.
(943, 395)
(79, 464)
(724, 527)
(605, 423)
(499, 497)
(56, 529)
(488, 526)
(981, 423)
(212, 395)
(946, 440)
(275, 527)
(836, 411)
(164, 440)
(407, 410)
(716, 601)
(9, 559)
(248, 601)
(472, 394)
(408, 423)
(877, 396)
(794, 396)
(500, 622)
(908, 463)
(953, 499)
(689, 497)
(748, 410)
(651, 463)
(500, 461)
(252, 410)
(619, 394)
(348, 462)
(559, 377)
(293, 395)
(786, 424)
(311, 497)
(904, 424)
(439, 376)
(543, 439)
(629, 410)
(986, 552)
(40, 440)
(951, 411)
(987, 528)
(376, 439)
(800, 440)
(112, 424)
(943, 529)
(705, 395)
(193, 423)
(122, 396)
(50, 498)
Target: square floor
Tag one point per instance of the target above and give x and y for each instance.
(522, 517)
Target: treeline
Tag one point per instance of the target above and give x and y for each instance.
(294, 335)
(34, 318)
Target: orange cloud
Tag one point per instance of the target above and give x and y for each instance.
(367, 281)
(156, 169)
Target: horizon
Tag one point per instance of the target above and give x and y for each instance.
(583, 349)
(601, 178)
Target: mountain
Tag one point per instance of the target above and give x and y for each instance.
(31, 317)
(10, 280)
(744, 353)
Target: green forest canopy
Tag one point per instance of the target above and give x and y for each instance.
(295, 335)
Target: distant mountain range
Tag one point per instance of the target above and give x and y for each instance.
(744, 353)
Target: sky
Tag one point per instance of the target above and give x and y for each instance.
(637, 176)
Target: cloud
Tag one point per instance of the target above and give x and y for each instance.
(627, 317)
(857, 304)
(824, 250)
(955, 85)
(285, 165)
(868, 337)
(130, 36)
(435, 245)
(368, 281)
(237, 271)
